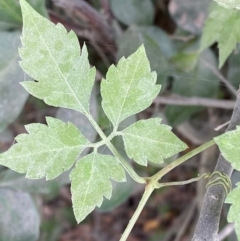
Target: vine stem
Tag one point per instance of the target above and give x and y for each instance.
(152, 182)
(202, 176)
(147, 193)
(156, 177)
(124, 163)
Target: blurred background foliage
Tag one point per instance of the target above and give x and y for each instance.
(185, 42)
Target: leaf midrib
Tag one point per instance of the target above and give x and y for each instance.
(125, 97)
(89, 182)
(151, 140)
(45, 151)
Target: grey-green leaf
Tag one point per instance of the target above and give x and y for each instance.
(46, 150)
(12, 94)
(19, 219)
(91, 181)
(149, 140)
(228, 144)
(51, 56)
(129, 87)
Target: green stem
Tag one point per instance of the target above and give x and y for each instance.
(156, 177)
(153, 181)
(96, 145)
(148, 191)
(96, 126)
(124, 163)
(204, 175)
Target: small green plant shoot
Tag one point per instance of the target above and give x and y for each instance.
(64, 78)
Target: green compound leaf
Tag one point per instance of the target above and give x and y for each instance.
(228, 144)
(129, 87)
(91, 181)
(217, 28)
(233, 214)
(51, 56)
(149, 140)
(46, 150)
(229, 3)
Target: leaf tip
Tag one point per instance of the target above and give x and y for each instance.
(22, 2)
(24, 5)
(221, 62)
(142, 48)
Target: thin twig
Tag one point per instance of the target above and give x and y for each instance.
(222, 78)
(177, 222)
(101, 53)
(195, 136)
(218, 128)
(174, 99)
(107, 10)
(186, 221)
(99, 75)
(183, 38)
(225, 232)
(195, 179)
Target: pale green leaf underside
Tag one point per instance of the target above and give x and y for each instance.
(217, 28)
(229, 3)
(50, 55)
(129, 87)
(149, 140)
(46, 150)
(91, 181)
(228, 144)
(233, 215)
